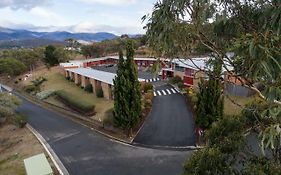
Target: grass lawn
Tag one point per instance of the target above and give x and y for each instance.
(232, 109)
(15, 146)
(56, 81)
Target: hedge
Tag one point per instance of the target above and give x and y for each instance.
(99, 93)
(89, 88)
(75, 102)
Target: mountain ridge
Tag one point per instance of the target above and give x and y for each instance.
(20, 34)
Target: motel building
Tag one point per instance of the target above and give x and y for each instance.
(82, 72)
(189, 71)
(140, 62)
(98, 79)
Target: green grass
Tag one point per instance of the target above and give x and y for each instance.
(56, 81)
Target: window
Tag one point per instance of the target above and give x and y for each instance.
(189, 72)
(179, 68)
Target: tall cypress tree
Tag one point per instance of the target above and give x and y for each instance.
(134, 91)
(127, 93)
(120, 83)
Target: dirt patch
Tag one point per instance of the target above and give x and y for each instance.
(15, 146)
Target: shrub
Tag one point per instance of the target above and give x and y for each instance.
(39, 81)
(149, 95)
(44, 94)
(75, 102)
(180, 85)
(189, 90)
(20, 120)
(31, 88)
(147, 86)
(176, 79)
(148, 103)
(109, 117)
(16, 82)
(89, 88)
(99, 93)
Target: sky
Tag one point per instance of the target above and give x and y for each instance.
(115, 16)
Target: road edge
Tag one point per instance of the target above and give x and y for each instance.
(57, 162)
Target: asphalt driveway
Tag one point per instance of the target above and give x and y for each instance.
(84, 151)
(169, 123)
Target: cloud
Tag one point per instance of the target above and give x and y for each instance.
(84, 27)
(22, 4)
(46, 14)
(92, 28)
(109, 2)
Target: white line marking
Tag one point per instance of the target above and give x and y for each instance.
(159, 92)
(55, 159)
(154, 94)
(173, 91)
(176, 89)
(164, 92)
(154, 79)
(168, 91)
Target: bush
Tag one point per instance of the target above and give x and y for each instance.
(175, 80)
(16, 82)
(89, 88)
(31, 88)
(45, 94)
(20, 120)
(75, 102)
(39, 81)
(148, 103)
(109, 117)
(147, 86)
(99, 93)
(180, 85)
(149, 95)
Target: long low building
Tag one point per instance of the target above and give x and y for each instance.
(98, 79)
(140, 62)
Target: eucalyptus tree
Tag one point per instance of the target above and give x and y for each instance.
(249, 28)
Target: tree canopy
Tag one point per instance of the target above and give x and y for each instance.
(248, 28)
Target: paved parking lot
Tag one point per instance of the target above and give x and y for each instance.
(170, 123)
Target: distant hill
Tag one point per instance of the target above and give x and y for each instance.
(12, 38)
(28, 43)
(23, 36)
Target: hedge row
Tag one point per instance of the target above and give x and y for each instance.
(73, 102)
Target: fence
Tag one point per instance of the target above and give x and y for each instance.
(237, 90)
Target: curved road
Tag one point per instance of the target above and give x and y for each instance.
(84, 151)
